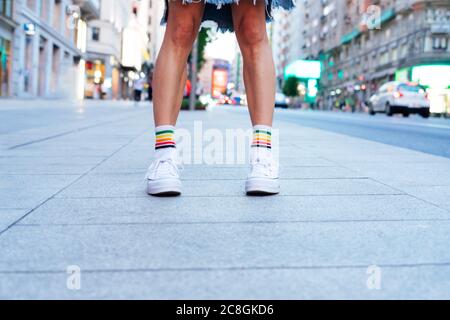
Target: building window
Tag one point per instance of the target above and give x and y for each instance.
(6, 8)
(95, 34)
(440, 43)
(31, 4)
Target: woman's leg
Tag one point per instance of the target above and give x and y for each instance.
(259, 70)
(170, 70)
(249, 18)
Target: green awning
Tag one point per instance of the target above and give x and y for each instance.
(346, 38)
(387, 15)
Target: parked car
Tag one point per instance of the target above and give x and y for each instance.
(400, 97)
(281, 101)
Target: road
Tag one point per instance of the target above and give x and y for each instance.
(426, 135)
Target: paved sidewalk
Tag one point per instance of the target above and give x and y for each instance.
(72, 194)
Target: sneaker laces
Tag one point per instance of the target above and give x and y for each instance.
(164, 167)
(262, 166)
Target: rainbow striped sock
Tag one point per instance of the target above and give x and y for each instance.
(165, 137)
(262, 137)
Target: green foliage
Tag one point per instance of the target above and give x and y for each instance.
(203, 40)
(198, 105)
(290, 87)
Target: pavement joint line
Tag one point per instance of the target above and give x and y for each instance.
(243, 195)
(281, 179)
(47, 157)
(71, 183)
(112, 224)
(413, 196)
(40, 174)
(398, 190)
(77, 130)
(243, 179)
(232, 269)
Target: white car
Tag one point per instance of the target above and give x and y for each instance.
(400, 97)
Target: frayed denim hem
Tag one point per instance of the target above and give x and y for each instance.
(219, 11)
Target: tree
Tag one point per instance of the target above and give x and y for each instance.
(290, 87)
(205, 36)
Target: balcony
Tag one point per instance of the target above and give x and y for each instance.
(89, 8)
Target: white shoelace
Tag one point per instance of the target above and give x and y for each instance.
(262, 166)
(164, 167)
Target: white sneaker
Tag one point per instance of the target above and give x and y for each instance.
(163, 176)
(264, 176)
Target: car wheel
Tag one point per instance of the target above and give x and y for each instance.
(389, 110)
(425, 114)
(406, 114)
(371, 111)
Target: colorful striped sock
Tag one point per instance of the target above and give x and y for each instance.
(165, 137)
(262, 137)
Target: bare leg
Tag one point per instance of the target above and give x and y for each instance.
(170, 70)
(259, 69)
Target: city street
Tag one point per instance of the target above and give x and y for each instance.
(364, 210)
(425, 135)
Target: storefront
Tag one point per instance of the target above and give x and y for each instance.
(5, 66)
(7, 26)
(95, 78)
(308, 73)
(436, 78)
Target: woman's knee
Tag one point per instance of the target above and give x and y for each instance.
(251, 31)
(183, 31)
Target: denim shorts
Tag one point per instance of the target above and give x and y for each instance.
(219, 11)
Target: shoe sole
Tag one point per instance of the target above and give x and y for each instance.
(262, 187)
(164, 188)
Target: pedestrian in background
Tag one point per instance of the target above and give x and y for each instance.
(138, 87)
(247, 18)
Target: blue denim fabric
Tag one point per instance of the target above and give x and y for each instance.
(219, 11)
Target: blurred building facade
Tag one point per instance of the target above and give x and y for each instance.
(155, 29)
(41, 47)
(285, 38)
(120, 47)
(7, 27)
(76, 48)
(363, 44)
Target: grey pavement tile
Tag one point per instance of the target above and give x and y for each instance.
(60, 165)
(406, 174)
(133, 185)
(424, 282)
(45, 169)
(181, 246)
(233, 209)
(73, 151)
(34, 181)
(27, 191)
(6, 161)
